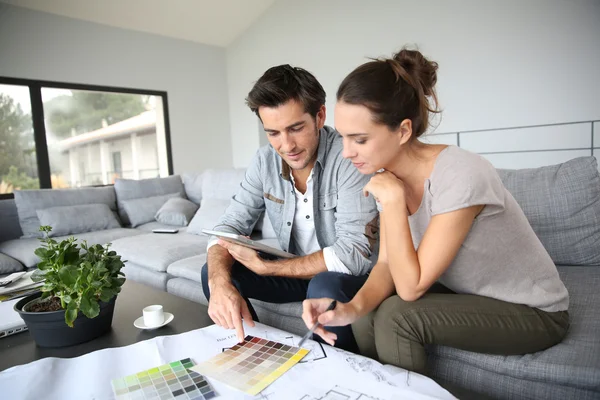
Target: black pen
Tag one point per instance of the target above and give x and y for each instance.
(312, 330)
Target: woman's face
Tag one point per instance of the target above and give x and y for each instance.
(370, 146)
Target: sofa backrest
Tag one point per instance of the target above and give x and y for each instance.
(30, 201)
(213, 190)
(562, 204)
(221, 183)
(9, 227)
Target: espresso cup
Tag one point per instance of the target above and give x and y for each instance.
(153, 315)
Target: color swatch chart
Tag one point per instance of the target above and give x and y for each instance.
(252, 365)
(169, 381)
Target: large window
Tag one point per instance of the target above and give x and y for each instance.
(58, 135)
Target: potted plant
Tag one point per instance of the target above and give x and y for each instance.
(77, 300)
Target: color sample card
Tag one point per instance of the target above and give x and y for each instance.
(252, 365)
(169, 381)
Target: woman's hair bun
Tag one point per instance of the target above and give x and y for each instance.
(419, 68)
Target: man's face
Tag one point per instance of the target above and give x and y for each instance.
(293, 133)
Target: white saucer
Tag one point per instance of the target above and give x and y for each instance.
(139, 323)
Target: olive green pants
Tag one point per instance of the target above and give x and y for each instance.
(397, 331)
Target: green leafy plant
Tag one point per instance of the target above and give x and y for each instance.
(79, 276)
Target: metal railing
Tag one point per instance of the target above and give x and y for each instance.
(591, 147)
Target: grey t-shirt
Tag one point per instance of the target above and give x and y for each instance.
(501, 257)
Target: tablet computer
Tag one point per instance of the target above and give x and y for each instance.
(244, 241)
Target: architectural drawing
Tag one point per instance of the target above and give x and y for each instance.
(376, 370)
(340, 393)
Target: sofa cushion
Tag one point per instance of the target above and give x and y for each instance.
(176, 211)
(187, 289)
(221, 183)
(287, 316)
(469, 382)
(207, 215)
(29, 201)
(287, 309)
(9, 265)
(127, 189)
(188, 268)
(146, 276)
(11, 229)
(22, 249)
(158, 251)
(191, 267)
(562, 204)
(574, 362)
(67, 220)
(192, 182)
(142, 210)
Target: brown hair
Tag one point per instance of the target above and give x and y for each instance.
(395, 89)
(282, 83)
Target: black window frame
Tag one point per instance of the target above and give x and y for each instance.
(39, 128)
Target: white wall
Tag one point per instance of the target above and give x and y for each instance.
(44, 46)
(502, 63)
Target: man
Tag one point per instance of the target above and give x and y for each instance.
(314, 200)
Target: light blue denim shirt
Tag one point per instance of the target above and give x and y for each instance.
(344, 218)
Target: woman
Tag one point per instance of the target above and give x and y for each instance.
(500, 292)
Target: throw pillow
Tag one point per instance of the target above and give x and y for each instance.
(129, 189)
(68, 220)
(140, 211)
(8, 265)
(176, 211)
(11, 229)
(207, 215)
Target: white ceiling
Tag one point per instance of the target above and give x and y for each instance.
(214, 22)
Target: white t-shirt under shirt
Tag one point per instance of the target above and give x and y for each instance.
(501, 256)
(304, 234)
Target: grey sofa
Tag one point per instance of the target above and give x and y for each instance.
(562, 203)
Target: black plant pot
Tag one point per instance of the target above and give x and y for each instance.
(49, 329)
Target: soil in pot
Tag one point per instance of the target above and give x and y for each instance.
(52, 304)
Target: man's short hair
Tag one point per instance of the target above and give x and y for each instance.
(283, 83)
